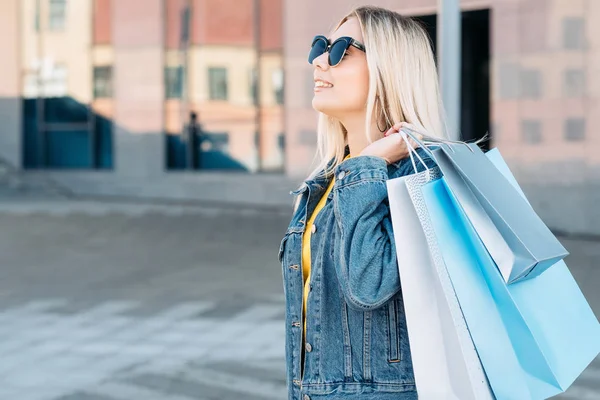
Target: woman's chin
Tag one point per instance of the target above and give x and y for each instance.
(324, 106)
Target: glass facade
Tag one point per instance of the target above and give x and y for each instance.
(223, 88)
(61, 126)
(220, 112)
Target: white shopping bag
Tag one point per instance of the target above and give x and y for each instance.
(445, 362)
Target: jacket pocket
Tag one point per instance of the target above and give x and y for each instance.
(393, 318)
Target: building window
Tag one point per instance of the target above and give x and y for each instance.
(531, 84)
(253, 78)
(573, 33)
(277, 81)
(531, 131)
(55, 82)
(173, 82)
(574, 82)
(215, 142)
(57, 15)
(31, 85)
(103, 82)
(50, 81)
(575, 129)
(217, 82)
(36, 16)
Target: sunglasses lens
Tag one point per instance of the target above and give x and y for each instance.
(318, 48)
(336, 53)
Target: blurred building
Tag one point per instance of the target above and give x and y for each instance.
(210, 53)
(185, 98)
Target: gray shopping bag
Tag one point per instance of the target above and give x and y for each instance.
(519, 242)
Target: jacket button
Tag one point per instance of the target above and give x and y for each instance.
(308, 347)
(313, 229)
(341, 175)
(306, 397)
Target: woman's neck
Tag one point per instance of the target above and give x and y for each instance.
(356, 136)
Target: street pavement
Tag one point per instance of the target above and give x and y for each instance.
(117, 301)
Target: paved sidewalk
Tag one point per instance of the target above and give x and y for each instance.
(109, 351)
(110, 301)
(102, 301)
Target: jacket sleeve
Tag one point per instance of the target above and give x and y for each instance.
(367, 268)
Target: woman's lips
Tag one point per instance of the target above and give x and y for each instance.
(321, 84)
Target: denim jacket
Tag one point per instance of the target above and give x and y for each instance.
(356, 338)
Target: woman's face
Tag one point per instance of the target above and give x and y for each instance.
(347, 84)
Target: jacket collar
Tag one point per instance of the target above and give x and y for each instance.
(320, 181)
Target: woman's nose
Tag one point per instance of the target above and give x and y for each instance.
(321, 62)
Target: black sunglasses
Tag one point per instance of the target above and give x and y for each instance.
(337, 49)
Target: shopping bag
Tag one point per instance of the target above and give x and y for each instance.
(534, 337)
(445, 363)
(520, 243)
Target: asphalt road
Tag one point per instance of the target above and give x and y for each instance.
(106, 301)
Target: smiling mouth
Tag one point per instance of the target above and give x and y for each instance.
(322, 85)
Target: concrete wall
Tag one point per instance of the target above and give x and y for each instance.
(10, 84)
(138, 37)
(545, 109)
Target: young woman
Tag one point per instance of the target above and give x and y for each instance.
(345, 327)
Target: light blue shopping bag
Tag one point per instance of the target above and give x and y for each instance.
(534, 337)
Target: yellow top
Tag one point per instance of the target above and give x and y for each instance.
(306, 261)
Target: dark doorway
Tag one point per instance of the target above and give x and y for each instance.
(475, 85)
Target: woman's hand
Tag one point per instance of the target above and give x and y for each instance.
(392, 147)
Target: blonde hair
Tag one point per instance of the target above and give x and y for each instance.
(403, 83)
